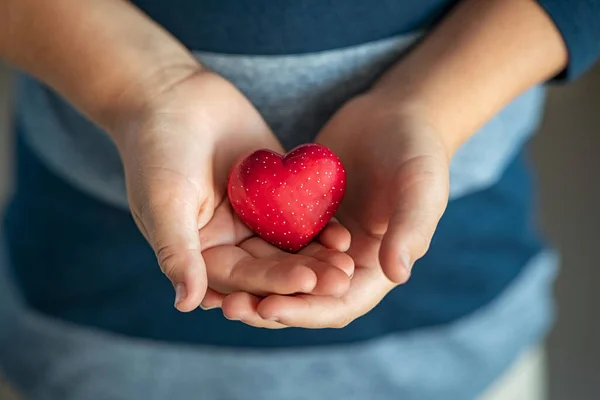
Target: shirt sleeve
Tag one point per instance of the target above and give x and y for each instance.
(578, 21)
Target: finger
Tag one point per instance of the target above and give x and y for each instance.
(213, 299)
(331, 267)
(335, 236)
(304, 311)
(331, 281)
(241, 306)
(316, 312)
(260, 248)
(420, 197)
(232, 268)
(334, 270)
(338, 259)
(172, 227)
(223, 229)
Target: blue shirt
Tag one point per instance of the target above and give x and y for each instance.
(99, 271)
(304, 26)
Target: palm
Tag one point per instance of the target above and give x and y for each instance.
(177, 164)
(397, 190)
(245, 262)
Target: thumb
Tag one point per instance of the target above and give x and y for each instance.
(172, 229)
(419, 198)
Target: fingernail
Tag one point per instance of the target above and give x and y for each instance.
(207, 308)
(273, 319)
(351, 275)
(180, 293)
(405, 261)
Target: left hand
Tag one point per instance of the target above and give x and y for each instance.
(398, 183)
(397, 140)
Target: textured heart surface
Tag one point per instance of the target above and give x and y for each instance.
(287, 200)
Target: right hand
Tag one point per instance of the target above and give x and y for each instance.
(177, 154)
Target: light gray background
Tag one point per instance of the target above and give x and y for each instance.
(566, 153)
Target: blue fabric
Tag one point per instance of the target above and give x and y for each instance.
(579, 24)
(78, 259)
(302, 26)
(288, 26)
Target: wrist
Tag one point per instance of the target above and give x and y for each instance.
(417, 115)
(124, 110)
(480, 57)
(105, 57)
(193, 101)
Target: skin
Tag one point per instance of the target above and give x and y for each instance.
(170, 120)
(396, 140)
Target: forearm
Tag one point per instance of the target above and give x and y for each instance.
(104, 56)
(481, 56)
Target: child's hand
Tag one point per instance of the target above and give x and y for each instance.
(398, 182)
(177, 154)
(397, 140)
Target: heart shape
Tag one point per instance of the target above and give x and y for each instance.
(287, 200)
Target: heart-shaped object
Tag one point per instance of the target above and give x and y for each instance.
(287, 200)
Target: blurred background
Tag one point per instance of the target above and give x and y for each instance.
(566, 152)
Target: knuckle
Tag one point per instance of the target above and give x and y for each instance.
(237, 273)
(166, 256)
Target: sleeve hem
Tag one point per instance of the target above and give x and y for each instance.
(579, 24)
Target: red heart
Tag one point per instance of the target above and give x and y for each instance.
(287, 200)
